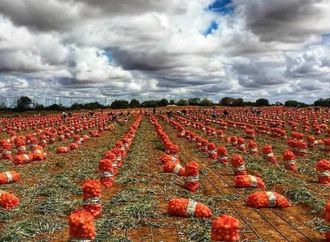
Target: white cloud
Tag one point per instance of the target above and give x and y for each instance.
(312, 62)
(274, 49)
(92, 65)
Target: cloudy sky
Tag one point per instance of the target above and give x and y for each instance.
(277, 49)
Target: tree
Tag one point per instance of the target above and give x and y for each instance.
(322, 102)
(194, 101)
(291, 103)
(238, 102)
(206, 102)
(39, 107)
(248, 103)
(294, 103)
(55, 107)
(119, 104)
(227, 101)
(76, 106)
(150, 104)
(262, 102)
(92, 106)
(163, 102)
(182, 102)
(279, 104)
(134, 103)
(23, 103)
(172, 102)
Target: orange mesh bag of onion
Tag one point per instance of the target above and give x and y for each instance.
(183, 207)
(267, 200)
(62, 150)
(323, 169)
(23, 159)
(244, 181)
(81, 225)
(238, 165)
(9, 177)
(107, 172)
(92, 197)
(8, 200)
(225, 228)
(192, 176)
(176, 168)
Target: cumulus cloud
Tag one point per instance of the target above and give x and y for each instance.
(287, 21)
(259, 73)
(136, 7)
(24, 51)
(311, 63)
(150, 49)
(43, 15)
(92, 65)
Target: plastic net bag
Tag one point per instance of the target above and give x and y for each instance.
(9, 177)
(225, 228)
(188, 208)
(8, 200)
(267, 200)
(81, 225)
(244, 181)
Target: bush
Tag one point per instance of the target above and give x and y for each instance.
(322, 102)
(206, 102)
(119, 104)
(182, 102)
(293, 103)
(262, 102)
(134, 103)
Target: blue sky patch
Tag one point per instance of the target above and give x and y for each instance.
(221, 7)
(212, 28)
(326, 38)
(108, 54)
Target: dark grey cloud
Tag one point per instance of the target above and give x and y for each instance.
(132, 7)
(282, 20)
(252, 73)
(63, 15)
(142, 60)
(47, 15)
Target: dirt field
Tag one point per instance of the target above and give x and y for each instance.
(135, 207)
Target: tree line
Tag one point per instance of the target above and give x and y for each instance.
(24, 103)
(237, 102)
